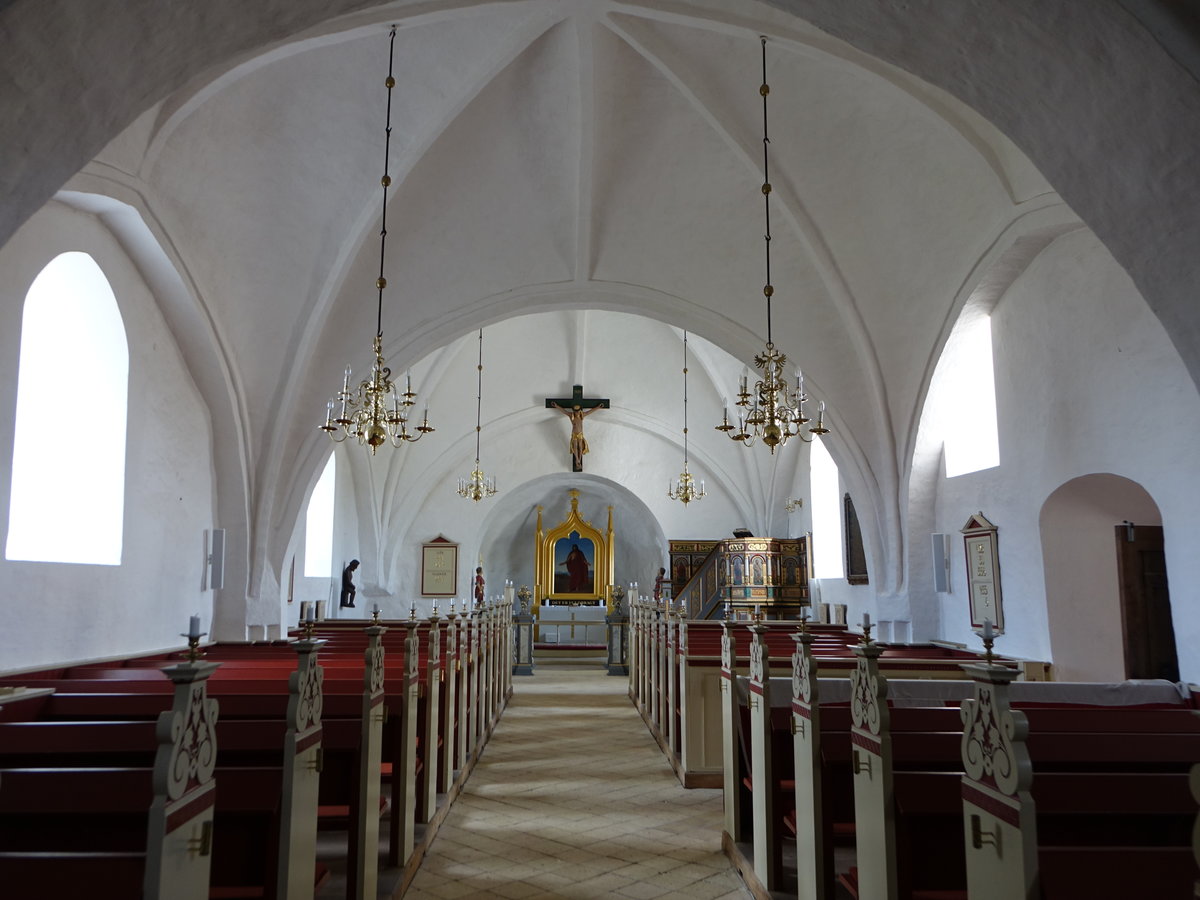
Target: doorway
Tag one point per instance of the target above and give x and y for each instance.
(1145, 603)
(1098, 630)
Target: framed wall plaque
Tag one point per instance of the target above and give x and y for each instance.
(983, 571)
(439, 568)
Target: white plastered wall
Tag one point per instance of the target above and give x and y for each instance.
(1087, 381)
(58, 612)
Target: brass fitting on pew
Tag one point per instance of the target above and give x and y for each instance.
(979, 837)
(317, 763)
(862, 763)
(201, 844)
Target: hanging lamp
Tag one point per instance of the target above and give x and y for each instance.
(477, 486)
(685, 489)
(376, 412)
(773, 411)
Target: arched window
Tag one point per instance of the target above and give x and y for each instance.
(67, 501)
(318, 525)
(826, 514)
(966, 400)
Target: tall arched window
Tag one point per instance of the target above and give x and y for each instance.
(826, 514)
(67, 502)
(318, 524)
(966, 401)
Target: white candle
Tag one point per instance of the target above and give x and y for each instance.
(375, 610)
(987, 629)
(308, 613)
(194, 627)
(866, 621)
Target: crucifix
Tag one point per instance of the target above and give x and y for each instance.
(577, 408)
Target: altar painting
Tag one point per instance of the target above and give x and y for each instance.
(574, 565)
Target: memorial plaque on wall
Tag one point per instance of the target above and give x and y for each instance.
(983, 571)
(439, 568)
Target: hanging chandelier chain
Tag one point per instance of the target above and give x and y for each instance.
(764, 89)
(478, 396)
(685, 401)
(386, 181)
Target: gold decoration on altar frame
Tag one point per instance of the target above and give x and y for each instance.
(561, 578)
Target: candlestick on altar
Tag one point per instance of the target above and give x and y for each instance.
(866, 626)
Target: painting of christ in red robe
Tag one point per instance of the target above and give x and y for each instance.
(574, 565)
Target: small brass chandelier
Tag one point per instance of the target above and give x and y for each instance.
(376, 412)
(773, 411)
(685, 490)
(476, 486)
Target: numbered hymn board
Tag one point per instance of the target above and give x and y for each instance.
(983, 571)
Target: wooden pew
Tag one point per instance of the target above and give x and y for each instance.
(1063, 834)
(284, 751)
(114, 827)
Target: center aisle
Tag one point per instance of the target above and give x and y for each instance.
(573, 799)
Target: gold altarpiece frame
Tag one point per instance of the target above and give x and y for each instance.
(574, 561)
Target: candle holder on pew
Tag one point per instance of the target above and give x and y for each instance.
(375, 615)
(988, 636)
(194, 652)
(866, 627)
(524, 594)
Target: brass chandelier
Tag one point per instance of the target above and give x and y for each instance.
(773, 410)
(477, 486)
(376, 412)
(685, 490)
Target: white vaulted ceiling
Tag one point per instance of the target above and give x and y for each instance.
(553, 158)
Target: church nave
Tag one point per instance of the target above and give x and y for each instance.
(573, 799)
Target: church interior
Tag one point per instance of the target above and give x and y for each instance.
(982, 228)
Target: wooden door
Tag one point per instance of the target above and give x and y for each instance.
(1145, 603)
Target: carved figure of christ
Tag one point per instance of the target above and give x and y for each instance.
(577, 408)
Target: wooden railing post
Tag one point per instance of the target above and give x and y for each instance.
(301, 775)
(430, 724)
(450, 707)
(871, 749)
(729, 734)
(768, 862)
(179, 838)
(813, 858)
(999, 816)
(363, 869)
(404, 842)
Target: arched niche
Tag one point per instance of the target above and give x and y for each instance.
(1080, 561)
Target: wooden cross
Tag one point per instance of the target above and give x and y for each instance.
(577, 408)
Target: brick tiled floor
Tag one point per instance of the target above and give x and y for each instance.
(573, 799)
